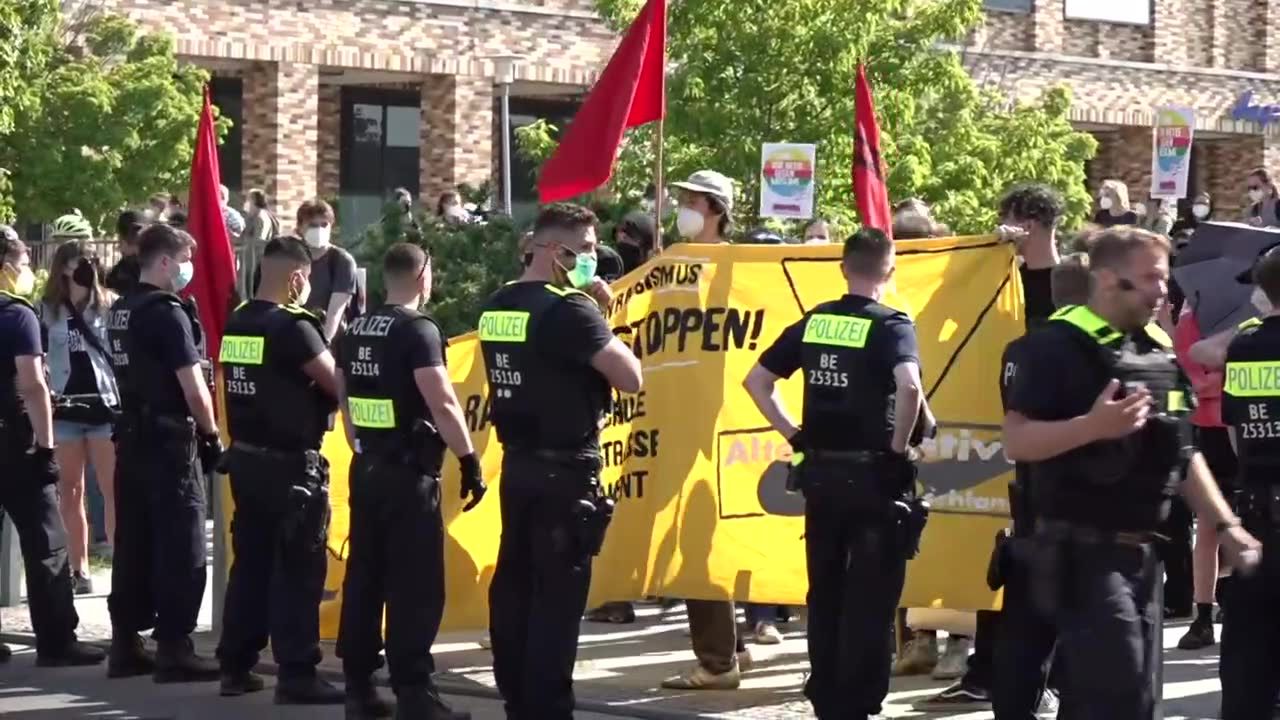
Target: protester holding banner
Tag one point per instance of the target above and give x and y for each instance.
(862, 398)
(706, 207)
(401, 414)
(818, 231)
(1264, 200)
(551, 362)
(1104, 465)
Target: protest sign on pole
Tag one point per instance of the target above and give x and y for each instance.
(1171, 151)
(786, 180)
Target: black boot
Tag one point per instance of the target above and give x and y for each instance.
(424, 703)
(72, 654)
(235, 684)
(177, 662)
(364, 703)
(307, 690)
(5, 653)
(129, 657)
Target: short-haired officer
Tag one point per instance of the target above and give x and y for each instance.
(29, 490)
(400, 413)
(165, 438)
(1250, 664)
(1098, 409)
(550, 361)
(862, 398)
(1025, 640)
(278, 379)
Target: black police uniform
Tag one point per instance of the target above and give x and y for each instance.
(855, 487)
(395, 503)
(1095, 573)
(1250, 664)
(548, 406)
(29, 492)
(158, 565)
(277, 417)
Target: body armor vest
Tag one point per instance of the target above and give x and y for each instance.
(1251, 387)
(13, 414)
(129, 358)
(538, 402)
(381, 415)
(846, 388)
(1125, 484)
(270, 406)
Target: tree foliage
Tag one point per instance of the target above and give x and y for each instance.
(105, 114)
(755, 71)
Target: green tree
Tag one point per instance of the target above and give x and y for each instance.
(755, 71)
(108, 116)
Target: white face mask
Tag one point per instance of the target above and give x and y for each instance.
(1260, 301)
(1105, 203)
(317, 237)
(1255, 196)
(1200, 211)
(303, 294)
(689, 222)
(24, 282)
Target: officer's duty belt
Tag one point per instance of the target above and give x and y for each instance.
(847, 456)
(309, 455)
(1059, 530)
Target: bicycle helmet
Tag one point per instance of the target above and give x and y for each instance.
(72, 226)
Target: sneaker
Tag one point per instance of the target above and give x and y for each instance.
(1048, 703)
(745, 661)
(766, 633)
(919, 656)
(241, 683)
(959, 695)
(699, 678)
(1218, 617)
(81, 584)
(307, 691)
(1198, 637)
(364, 703)
(486, 641)
(955, 661)
(74, 654)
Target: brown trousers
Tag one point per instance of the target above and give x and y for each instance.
(714, 632)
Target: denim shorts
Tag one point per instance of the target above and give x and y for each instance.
(66, 431)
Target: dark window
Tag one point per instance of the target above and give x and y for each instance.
(524, 111)
(228, 95)
(381, 134)
(1023, 6)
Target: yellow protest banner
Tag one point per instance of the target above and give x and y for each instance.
(697, 473)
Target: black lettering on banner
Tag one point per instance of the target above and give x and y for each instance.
(658, 277)
(715, 329)
(626, 408)
(476, 413)
(639, 444)
(628, 485)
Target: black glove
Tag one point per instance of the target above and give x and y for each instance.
(44, 468)
(472, 482)
(209, 449)
(798, 442)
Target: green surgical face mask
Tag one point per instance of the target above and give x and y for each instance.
(583, 270)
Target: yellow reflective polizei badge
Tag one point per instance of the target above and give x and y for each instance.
(503, 326)
(372, 413)
(1177, 401)
(840, 330)
(1253, 379)
(242, 350)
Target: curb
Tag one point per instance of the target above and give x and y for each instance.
(446, 684)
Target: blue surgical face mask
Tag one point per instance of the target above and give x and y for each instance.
(186, 270)
(583, 271)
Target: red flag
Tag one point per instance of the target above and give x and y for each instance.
(868, 170)
(631, 91)
(215, 273)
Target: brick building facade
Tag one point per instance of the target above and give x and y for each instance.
(1205, 54)
(350, 98)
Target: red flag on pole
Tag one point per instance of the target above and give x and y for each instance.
(630, 92)
(869, 188)
(215, 273)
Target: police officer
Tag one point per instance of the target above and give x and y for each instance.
(165, 437)
(1098, 409)
(29, 488)
(1250, 664)
(400, 413)
(278, 379)
(1025, 640)
(862, 397)
(550, 360)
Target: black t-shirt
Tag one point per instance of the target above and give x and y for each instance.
(125, 276)
(631, 255)
(334, 272)
(1251, 394)
(411, 346)
(19, 337)
(1106, 219)
(163, 330)
(1037, 293)
(82, 380)
(294, 345)
(894, 340)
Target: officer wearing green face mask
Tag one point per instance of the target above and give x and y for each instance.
(166, 438)
(551, 362)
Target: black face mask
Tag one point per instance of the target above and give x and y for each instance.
(85, 274)
(632, 256)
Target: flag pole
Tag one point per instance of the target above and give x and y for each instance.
(658, 190)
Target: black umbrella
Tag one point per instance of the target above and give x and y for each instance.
(1209, 268)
